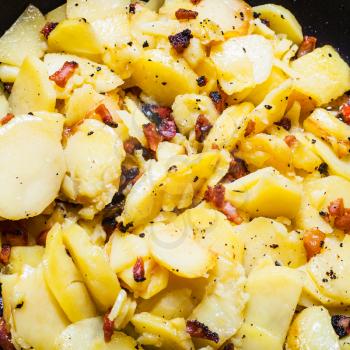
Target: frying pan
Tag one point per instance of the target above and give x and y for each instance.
(328, 20)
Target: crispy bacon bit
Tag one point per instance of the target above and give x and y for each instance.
(132, 8)
(62, 76)
(218, 99)
(216, 195)
(308, 45)
(290, 140)
(336, 208)
(345, 112)
(285, 123)
(202, 128)
(131, 145)
(186, 14)
(323, 169)
(341, 325)
(14, 233)
(139, 271)
(152, 136)
(106, 116)
(343, 222)
(195, 2)
(129, 176)
(8, 117)
(48, 28)
(197, 329)
(313, 242)
(5, 254)
(202, 81)
(108, 328)
(250, 128)
(41, 238)
(156, 113)
(341, 214)
(5, 337)
(181, 41)
(167, 129)
(238, 169)
(8, 87)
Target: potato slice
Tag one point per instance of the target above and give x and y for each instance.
(57, 15)
(161, 333)
(265, 193)
(32, 90)
(26, 296)
(25, 256)
(264, 237)
(312, 330)
(75, 36)
(281, 20)
(322, 75)
(163, 77)
(8, 74)
(93, 264)
(4, 106)
(88, 335)
(64, 279)
(242, 62)
(24, 34)
(32, 155)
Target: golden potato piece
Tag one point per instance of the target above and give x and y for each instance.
(57, 15)
(22, 256)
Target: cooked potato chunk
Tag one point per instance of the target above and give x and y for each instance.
(23, 38)
(57, 15)
(4, 106)
(32, 155)
(8, 74)
(23, 256)
(322, 75)
(32, 90)
(312, 330)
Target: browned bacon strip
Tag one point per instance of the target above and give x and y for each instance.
(313, 242)
(48, 28)
(181, 41)
(62, 76)
(139, 271)
(8, 117)
(308, 45)
(106, 116)
(152, 136)
(202, 128)
(197, 329)
(186, 14)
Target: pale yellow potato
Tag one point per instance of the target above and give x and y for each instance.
(29, 289)
(92, 262)
(164, 334)
(64, 279)
(32, 154)
(281, 20)
(88, 335)
(195, 53)
(32, 90)
(22, 256)
(163, 77)
(154, 5)
(312, 330)
(167, 150)
(222, 308)
(8, 73)
(23, 38)
(57, 15)
(322, 74)
(265, 193)
(93, 154)
(187, 108)
(264, 237)
(242, 62)
(4, 105)
(75, 36)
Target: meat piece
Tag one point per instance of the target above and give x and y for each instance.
(238, 169)
(62, 76)
(156, 113)
(5, 254)
(219, 100)
(167, 129)
(5, 337)
(186, 14)
(336, 208)
(132, 8)
(341, 325)
(139, 271)
(202, 128)
(202, 81)
(106, 116)
(285, 123)
(48, 28)
(290, 140)
(313, 242)
(195, 2)
(345, 112)
(8, 117)
(323, 169)
(197, 329)
(308, 45)
(250, 128)
(152, 136)
(343, 222)
(231, 213)
(108, 328)
(340, 214)
(8, 87)
(14, 233)
(131, 145)
(181, 41)
(129, 176)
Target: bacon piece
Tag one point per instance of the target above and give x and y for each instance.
(238, 169)
(341, 214)
(341, 325)
(195, 2)
(62, 76)
(8, 87)
(5, 337)
(41, 238)
(106, 116)
(202, 81)
(336, 208)
(197, 329)
(108, 328)
(48, 28)
(5, 254)
(132, 8)
(131, 145)
(181, 41)
(290, 140)
(219, 100)
(186, 14)
(8, 117)
(139, 271)
(152, 136)
(216, 195)
(313, 242)
(250, 128)
(308, 45)
(345, 112)
(202, 128)
(14, 233)
(167, 129)
(343, 222)
(285, 123)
